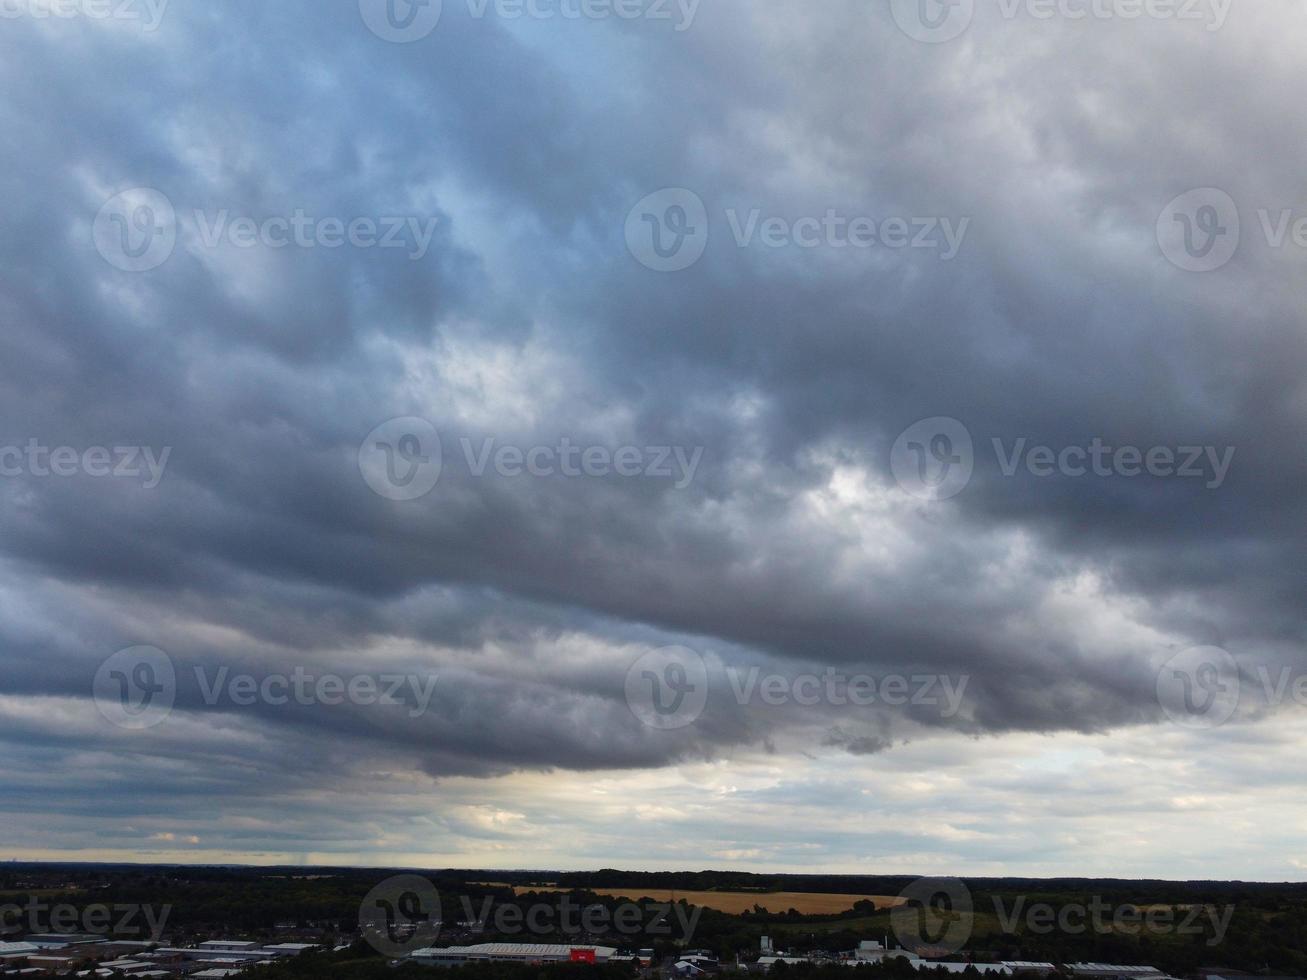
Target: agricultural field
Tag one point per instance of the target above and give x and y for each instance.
(736, 902)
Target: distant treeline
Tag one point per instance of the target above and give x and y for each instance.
(1141, 889)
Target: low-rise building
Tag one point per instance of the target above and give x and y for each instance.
(1111, 971)
(17, 951)
(289, 949)
(765, 963)
(1029, 966)
(512, 953)
(871, 951)
(61, 940)
(689, 968)
(229, 945)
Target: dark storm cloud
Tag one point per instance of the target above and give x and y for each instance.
(527, 321)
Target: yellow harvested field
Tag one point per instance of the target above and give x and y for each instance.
(733, 903)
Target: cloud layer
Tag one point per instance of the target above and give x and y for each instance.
(504, 155)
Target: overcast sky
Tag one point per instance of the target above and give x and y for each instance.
(864, 435)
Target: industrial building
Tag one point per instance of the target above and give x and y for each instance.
(870, 951)
(1030, 966)
(528, 953)
(1109, 971)
(60, 953)
(696, 963)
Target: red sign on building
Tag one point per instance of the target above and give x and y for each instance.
(583, 956)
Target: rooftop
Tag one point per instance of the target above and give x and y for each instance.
(513, 949)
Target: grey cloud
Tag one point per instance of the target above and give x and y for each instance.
(1058, 321)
